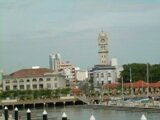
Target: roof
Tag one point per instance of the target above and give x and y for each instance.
(112, 85)
(138, 84)
(102, 67)
(30, 72)
(155, 85)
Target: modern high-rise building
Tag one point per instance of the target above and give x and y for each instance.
(54, 61)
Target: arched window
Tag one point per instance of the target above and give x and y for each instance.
(21, 80)
(40, 79)
(34, 80)
(15, 81)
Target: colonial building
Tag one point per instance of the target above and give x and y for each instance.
(33, 79)
(104, 72)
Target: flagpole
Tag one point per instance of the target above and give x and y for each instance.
(122, 90)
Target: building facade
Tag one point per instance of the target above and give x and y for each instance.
(33, 79)
(68, 70)
(81, 75)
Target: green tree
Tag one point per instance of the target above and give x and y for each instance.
(139, 72)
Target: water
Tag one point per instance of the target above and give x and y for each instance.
(80, 113)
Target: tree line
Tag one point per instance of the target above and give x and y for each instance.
(34, 94)
(138, 71)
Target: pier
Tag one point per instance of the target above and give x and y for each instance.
(62, 101)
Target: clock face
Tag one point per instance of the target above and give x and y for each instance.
(102, 40)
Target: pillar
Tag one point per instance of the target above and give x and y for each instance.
(6, 113)
(28, 114)
(92, 117)
(45, 115)
(16, 113)
(64, 116)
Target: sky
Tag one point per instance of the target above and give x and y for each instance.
(32, 29)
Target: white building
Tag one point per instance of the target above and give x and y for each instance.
(103, 75)
(68, 70)
(114, 62)
(81, 75)
(33, 79)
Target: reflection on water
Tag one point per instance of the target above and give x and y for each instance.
(80, 113)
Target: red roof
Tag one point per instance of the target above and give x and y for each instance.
(156, 85)
(75, 90)
(112, 85)
(140, 84)
(30, 72)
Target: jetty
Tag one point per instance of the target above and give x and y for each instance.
(62, 101)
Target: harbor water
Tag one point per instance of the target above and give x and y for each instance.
(84, 113)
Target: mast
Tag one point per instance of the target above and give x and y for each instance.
(147, 80)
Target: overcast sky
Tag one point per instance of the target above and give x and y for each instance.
(32, 29)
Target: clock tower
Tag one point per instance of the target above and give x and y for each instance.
(103, 51)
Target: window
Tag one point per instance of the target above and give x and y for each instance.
(102, 82)
(41, 86)
(48, 85)
(55, 85)
(7, 87)
(14, 81)
(97, 75)
(28, 87)
(34, 86)
(40, 79)
(98, 83)
(55, 79)
(102, 75)
(14, 87)
(21, 87)
(7, 81)
(109, 74)
(21, 80)
(48, 79)
(34, 80)
(28, 80)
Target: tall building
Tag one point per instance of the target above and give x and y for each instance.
(54, 61)
(104, 72)
(103, 51)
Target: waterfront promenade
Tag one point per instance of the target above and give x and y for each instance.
(112, 103)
